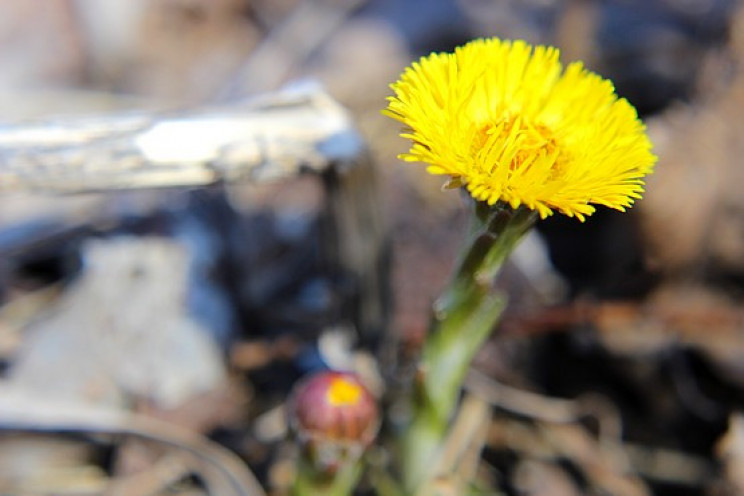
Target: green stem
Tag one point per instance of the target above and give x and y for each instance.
(463, 318)
(312, 482)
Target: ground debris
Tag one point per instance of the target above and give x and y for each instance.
(617, 369)
(83, 349)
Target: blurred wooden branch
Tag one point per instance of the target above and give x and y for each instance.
(271, 137)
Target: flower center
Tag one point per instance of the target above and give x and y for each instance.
(343, 392)
(514, 141)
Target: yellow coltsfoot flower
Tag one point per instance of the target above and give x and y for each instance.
(505, 120)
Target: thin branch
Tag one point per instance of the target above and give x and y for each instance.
(226, 474)
(270, 138)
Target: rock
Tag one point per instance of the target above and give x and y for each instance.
(122, 331)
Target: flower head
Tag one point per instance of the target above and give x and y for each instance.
(505, 120)
(334, 416)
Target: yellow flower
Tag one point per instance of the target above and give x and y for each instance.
(507, 122)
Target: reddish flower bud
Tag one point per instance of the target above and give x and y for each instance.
(334, 416)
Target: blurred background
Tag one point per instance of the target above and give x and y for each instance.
(618, 368)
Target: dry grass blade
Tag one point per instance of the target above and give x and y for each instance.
(520, 402)
(460, 455)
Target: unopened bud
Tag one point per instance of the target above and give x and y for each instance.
(334, 417)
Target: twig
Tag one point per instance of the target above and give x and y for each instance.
(520, 402)
(225, 473)
(289, 44)
(606, 465)
(670, 466)
(604, 462)
(458, 460)
(166, 471)
(270, 138)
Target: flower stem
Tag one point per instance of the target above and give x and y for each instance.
(462, 319)
(311, 482)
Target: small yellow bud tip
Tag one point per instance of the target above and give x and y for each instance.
(343, 392)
